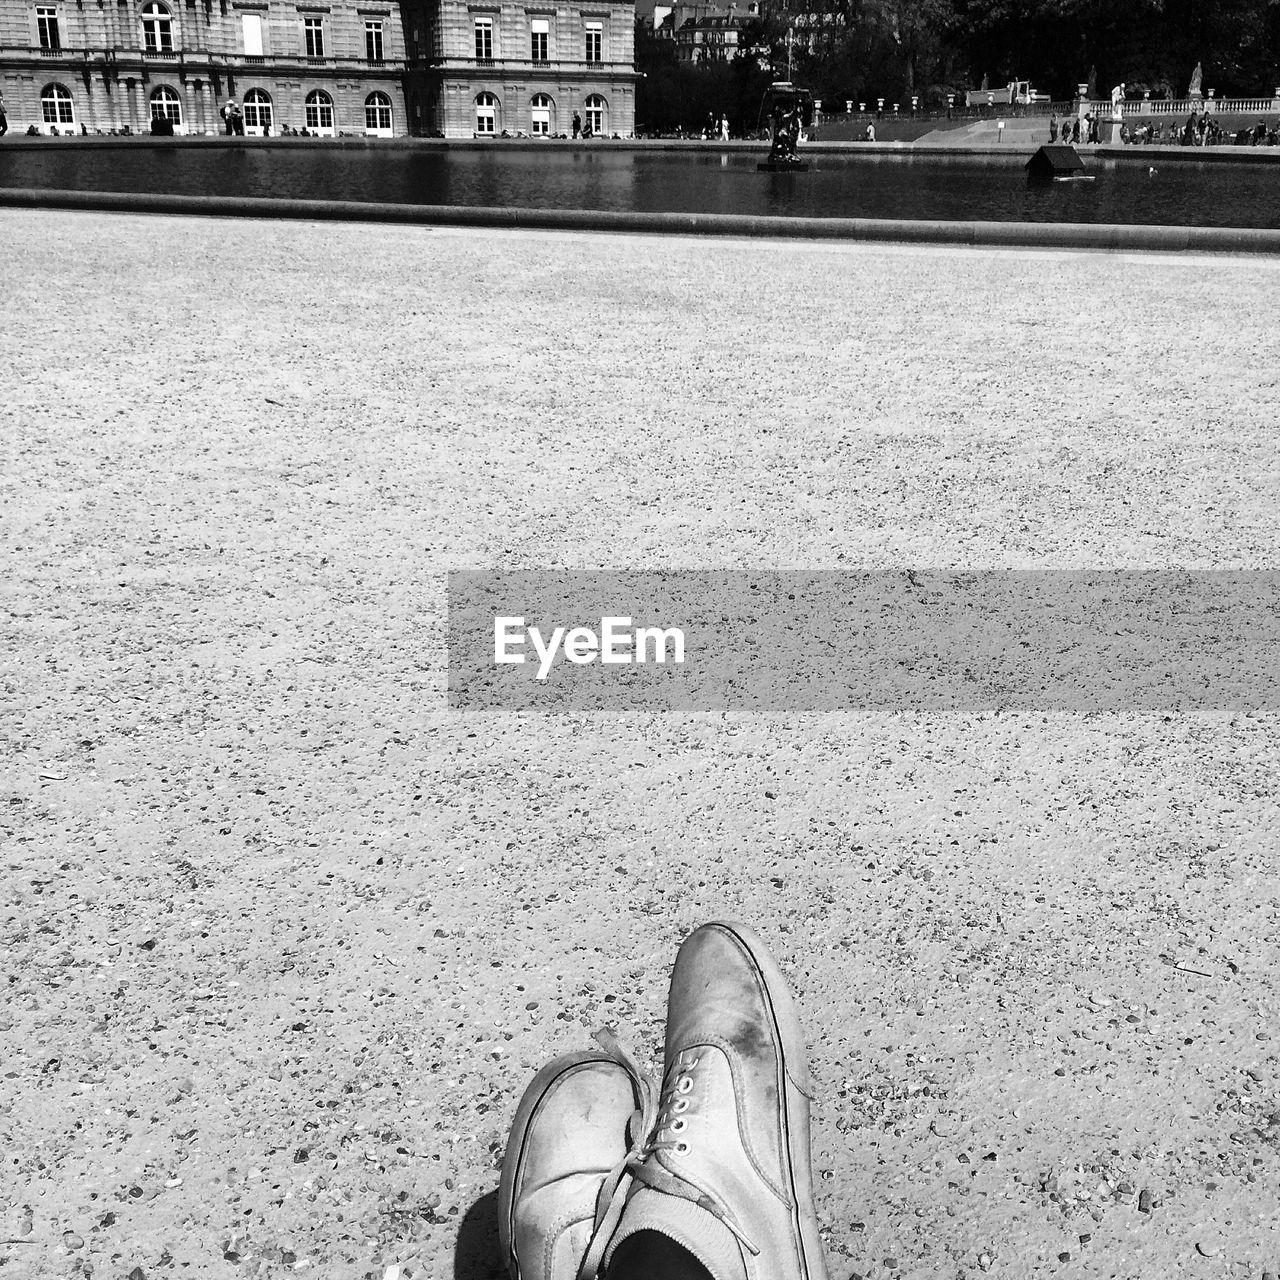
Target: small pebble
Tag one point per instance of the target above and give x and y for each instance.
(1207, 1250)
(72, 1241)
(1146, 1201)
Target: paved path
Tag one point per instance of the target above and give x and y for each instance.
(285, 938)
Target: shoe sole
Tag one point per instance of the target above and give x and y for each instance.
(789, 1036)
(513, 1158)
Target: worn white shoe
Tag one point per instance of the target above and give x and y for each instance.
(576, 1125)
(726, 1171)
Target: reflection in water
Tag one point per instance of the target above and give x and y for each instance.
(851, 186)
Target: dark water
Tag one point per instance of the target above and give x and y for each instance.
(857, 186)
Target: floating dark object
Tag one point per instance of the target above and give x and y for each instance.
(1055, 163)
(782, 166)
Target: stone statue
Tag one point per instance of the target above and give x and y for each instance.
(1117, 98)
(1196, 77)
(786, 135)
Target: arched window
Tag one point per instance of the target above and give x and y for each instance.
(541, 116)
(165, 103)
(595, 108)
(55, 105)
(320, 112)
(157, 28)
(486, 114)
(377, 115)
(257, 112)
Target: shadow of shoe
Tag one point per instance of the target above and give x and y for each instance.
(475, 1255)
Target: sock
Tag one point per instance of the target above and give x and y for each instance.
(649, 1255)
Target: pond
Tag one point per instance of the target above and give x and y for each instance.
(601, 177)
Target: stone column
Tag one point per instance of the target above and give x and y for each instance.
(210, 115)
(132, 89)
(93, 99)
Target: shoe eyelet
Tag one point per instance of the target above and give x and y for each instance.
(684, 1084)
(680, 1104)
(682, 1147)
(678, 1125)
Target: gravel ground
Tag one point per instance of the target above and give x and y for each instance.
(284, 937)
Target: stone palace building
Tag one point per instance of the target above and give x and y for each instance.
(387, 68)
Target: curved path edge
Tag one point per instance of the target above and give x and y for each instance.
(1053, 235)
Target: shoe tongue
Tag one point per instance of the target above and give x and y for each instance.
(693, 1228)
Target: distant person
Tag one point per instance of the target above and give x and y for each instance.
(871, 131)
(4, 120)
(1053, 127)
(228, 119)
(724, 128)
(237, 119)
(577, 125)
(1075, 130)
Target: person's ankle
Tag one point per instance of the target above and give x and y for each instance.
(649, 1255)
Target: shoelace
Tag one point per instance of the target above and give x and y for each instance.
(612, 1197)
(658, 1124)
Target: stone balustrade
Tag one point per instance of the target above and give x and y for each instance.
(1185, 106)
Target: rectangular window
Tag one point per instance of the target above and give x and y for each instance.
(252, 35)
(47, 21)
(373, 41)
(540, 30)
(595, 41)
(484, 39)
(315, 37)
